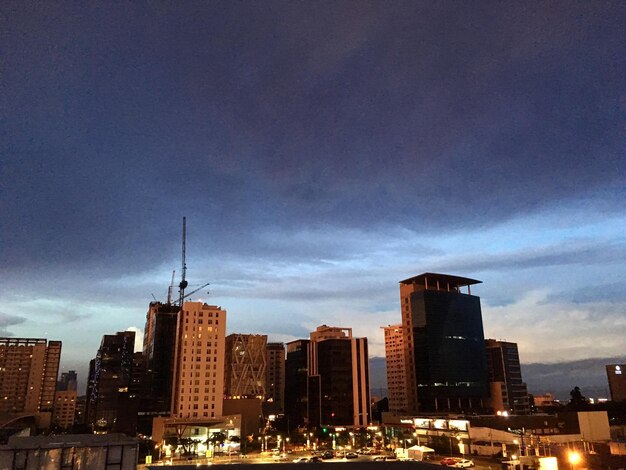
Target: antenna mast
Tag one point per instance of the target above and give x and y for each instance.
(183, 281)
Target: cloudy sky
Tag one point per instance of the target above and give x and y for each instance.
(321, 152)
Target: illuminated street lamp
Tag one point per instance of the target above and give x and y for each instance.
(574, 458)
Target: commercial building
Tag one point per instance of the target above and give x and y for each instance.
(508, 391)
(275, 376)
(338, 385)
(28, 375)
(68, 381)
(198, 373)
(616, 373)
(396, 369)
(245, 366)
(159, 353)
(444, 344)
(297, 376)
(112, 393)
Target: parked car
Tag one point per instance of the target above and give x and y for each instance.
(351, 455)
(327, 455)
(301, 460)
(281, 457)
(449, 461)
(315, 459)
(463, 463)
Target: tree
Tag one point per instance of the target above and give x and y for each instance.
(577, 399)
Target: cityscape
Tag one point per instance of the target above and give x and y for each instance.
(369, 233)
(197, 394)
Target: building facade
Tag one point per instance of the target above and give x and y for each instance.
(64, 408)
(338, 385)
(198, 373)
(275, 376)
(28, 375)
(113, 397)
(444, 344)
(396, 369)
(159, 353)
(297, 375)
(616, 373)
(245, 366)
(508, 392)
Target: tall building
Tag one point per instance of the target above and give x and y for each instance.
(275, 376)
(28, 375)
(616, 373)
(444, 344)
(198, 373)
(508, 391)
(338, 385)
(112, 395)
(396, 369)
(297, 376)
(245, 366)
(159, 354)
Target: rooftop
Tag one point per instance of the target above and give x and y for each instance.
(432, 278)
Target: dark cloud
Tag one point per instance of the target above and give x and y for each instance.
(296, 116)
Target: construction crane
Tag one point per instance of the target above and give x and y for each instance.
(183, 281)
(195, 290)
(170, 289)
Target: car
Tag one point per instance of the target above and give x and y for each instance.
(384, 458)
(449, 461)
(301, 460)
(281, 457)
(315, 459)
(351, 455)
(327, 455)
(463, 463)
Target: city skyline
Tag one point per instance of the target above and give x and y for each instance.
(321, 153)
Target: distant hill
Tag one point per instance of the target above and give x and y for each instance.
(557, 378)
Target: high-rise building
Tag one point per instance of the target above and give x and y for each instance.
(338, 386)
(396, 369)
(112, 395)
(198, 373)
(297, 376)
(275, 376)
(444, 344)
(159, 353)
(245, 366)
(616, 373)
(508, 391)
(28, 375)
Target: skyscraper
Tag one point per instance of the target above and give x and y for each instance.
(159, 353)
(28, 375)
(245, 366)
(444, 344)
(508, 391)
(112, 396)
(338, 386)
(396, 369)
(198, 373)
(297, 376)
(275, 376)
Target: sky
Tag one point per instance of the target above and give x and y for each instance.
(321, 152)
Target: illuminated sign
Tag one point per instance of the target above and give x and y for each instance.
(618, 370)
(440, 424)
(422, 423)
(459, 425)
(406, 421)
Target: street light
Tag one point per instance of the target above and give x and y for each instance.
(573, 457)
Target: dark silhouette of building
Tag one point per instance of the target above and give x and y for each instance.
(444, 344)
(159, 352)
(67, 382)
(296, 376)
(508, 392)
(275, 377)
(616, 374)
(114, 386)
